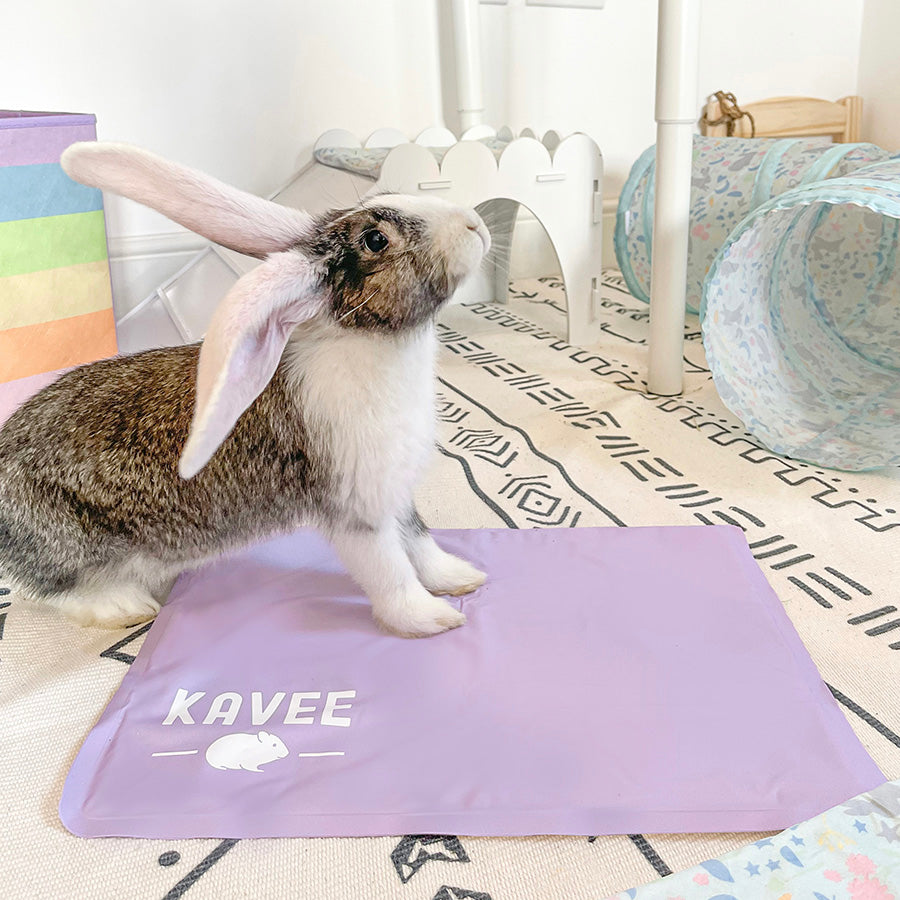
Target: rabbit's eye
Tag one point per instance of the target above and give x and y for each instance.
(375, 241)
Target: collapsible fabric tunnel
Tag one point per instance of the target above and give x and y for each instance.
(801, 321)
(731, 178)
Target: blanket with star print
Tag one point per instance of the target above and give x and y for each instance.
(850, 852)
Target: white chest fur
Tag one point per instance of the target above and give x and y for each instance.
(371, 399)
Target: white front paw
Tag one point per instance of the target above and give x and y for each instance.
(448, 574)
(417, 614)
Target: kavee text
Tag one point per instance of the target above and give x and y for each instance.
(303, 708)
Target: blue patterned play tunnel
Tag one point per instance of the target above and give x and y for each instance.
(801, 321)
(791, 262)
(731, 178)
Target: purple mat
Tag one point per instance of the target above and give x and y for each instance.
(14, 393)
(609, 680)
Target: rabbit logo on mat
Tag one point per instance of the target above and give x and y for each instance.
(241, 750)
(245, 751)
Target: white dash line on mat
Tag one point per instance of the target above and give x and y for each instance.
(175, 753)
(329, 753)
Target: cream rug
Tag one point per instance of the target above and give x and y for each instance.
(533, 432)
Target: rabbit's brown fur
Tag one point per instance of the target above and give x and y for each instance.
(94, 515)
(89, 472)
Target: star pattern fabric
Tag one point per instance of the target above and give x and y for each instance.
(848, 853)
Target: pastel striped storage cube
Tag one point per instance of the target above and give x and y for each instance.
(55, 298)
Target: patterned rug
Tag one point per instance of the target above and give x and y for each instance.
(533, 432)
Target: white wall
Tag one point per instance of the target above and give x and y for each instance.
(242, 89)
(879, 73)
(594, 71)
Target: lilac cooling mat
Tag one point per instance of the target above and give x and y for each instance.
(605, 683)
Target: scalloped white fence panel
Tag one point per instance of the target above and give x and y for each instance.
(558, 179)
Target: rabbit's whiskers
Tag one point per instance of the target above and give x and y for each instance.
(361, 305)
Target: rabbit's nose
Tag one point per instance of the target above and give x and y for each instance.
(479, 228)
(473, 220)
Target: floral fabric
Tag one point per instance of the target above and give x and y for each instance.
(851, 852)
(801, 321)
(791, 259)
(731, 178)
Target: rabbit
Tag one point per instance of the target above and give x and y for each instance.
(245, 751)
(310, 402)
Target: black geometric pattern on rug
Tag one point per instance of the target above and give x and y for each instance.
(487, 445)
(648, 851)
(538, 495)
(538, 298)
(650, 854)
(535, 496)
(4, 592)
(455, 893)
(450, 412)
(866, 716)
(613, 280)
(476, 489)
(882, 627)
(526, 445)
(415, 850)
(818, 484)
(716, 429)
(114, 652)
(198, 871)
(621, 373)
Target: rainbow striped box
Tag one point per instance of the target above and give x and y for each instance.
(55, 297)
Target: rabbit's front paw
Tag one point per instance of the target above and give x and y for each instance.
(417, 615)
(448, 574)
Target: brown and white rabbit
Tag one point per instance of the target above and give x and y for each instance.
(309, 402)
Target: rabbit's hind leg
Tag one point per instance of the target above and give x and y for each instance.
(107, 603)
(114, 597)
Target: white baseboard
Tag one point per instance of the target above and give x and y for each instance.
(138, 246)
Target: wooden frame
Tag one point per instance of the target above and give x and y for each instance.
(792, 117)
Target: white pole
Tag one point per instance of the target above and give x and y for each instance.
(678, 41)
(467, 47)
(438, 94)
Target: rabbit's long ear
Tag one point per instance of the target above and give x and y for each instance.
(242, 348)
(222, 213)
